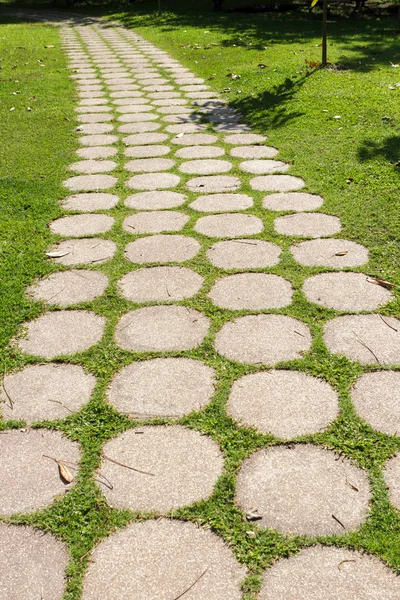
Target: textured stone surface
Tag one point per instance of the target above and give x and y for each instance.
(276, 183)
(157, 284)
(149, 165)
(150, 560)
(200, 152)
(298, 489)
(376, 397)
(308, 225)
(95, 128)
(153, 181)
(369, 339)
(97, 140)
(253, 151)
(194, 139)
(186, 128)
(140, 139)
(334, 253)
(244, 254)
(161, 329)
(228, 225)
(69, 287)
(162, 387)
(162, 249)
(93, 166)
(137, 117)
(205, 167)
(155, 200)
(93, 152)
(155, 222)
(33, 564)
(144, 127)
(244, 138)
(284, 403)
(31, 481)
(62, 332)
(222, 203)
(151, 151)
(90, 182)
(79, 225)
(350, 292)
(49, 391)
(263, 166)
(251, 291)
(267, 339)
(90, 202)
(294, 201)
(322, 573)
(83, 251)
(178, 466)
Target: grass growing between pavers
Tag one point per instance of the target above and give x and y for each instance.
(367, 211)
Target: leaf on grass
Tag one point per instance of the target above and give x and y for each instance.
(262, 66)
(56, 254)
(65, 473)
(341, 253)
(49, 46)
(226, 90)
(386, 284)
(13, 108)
(233, 76)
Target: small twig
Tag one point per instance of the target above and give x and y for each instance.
(91, 550)
(298, 333)
(98, 259)
(368, 348)
(337, 521)
(127, 466)
(58, 402)
(56, 294)
(110, 485)
(248, 243)
(345, 561)
(166, 287)
(191, 586)
(7, 394)
(386, 323)
(150, 415)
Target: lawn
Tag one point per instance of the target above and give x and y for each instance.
(339, 130)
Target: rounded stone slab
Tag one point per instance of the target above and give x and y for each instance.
(161, 329)
(62, 332)
(83, 251)
(145, 127)
(162, 387)
(308, 225)
(97, 140)
(149, 165)
(251, 291)
(140, 139)
(276, 183)
(263, 339)
(69, 287)
(253, 152)
(229, 225)
(162, 249)
(221, 203)
(350, 292)
(150, 560)
(32, 481)
(170, 102)
(153, 181)
(94, 152)
(93, 166)
(297, 490)
(214, 183)
(90, 202)
(244, 138)
(376, 397)
(137, 117)
(49, 391)
(174, 467)
(294, 201)
(90, 182)
(322, 573)
(285, 403)
(33, 564)
(200, 152)
(80, 225)
(155, 200)
(186, 128)
(95, 128)
(205, 167)
(195, 139)
(334, 253)
(158, 284)
(147, 151)
(244, 254)
(263, 166)
(368, 339)
(155, 222)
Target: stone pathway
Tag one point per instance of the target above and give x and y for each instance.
(140, 116)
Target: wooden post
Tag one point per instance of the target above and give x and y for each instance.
(324, 33)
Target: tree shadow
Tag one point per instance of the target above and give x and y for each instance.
(388, 149)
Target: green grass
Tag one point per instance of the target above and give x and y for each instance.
(347, 161)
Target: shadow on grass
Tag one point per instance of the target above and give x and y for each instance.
(388, 148)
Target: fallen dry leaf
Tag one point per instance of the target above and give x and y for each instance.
(56, 254)
(341, 253)
(253, 516)
(381, 282)
(65, 473)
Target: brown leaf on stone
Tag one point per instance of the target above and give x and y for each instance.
(381, 282)
(341, 253)
(253, 516)
(65, 473)
(344, 561)
(56, 254)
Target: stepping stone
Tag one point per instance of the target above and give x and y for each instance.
(161, 329)
(155, 200)
(170, 102)
(263, 166)
(253, 152)
(160, 284)
(199, 139)
(90, 94)
(139, 127)
(164, 95)
(221, 203)
(189, 81)
(134, 108)
(123, 87)
(150, 560)
(92, 109)
(136, 98)
(205, 167)
(162, 249)
(62, 332)
(33, 563)
(93, 166)
(162, 387)
(95, 128)
(155, 222)
(95, 118)
(194, 88)
(244, 138)
(232, 128)
(307, 225)
(376, 397)
(31, 481)
(276, 183)
(147, 151)
(97, 140)
(149, 165)
(200, 95)
(97, 152)
(126, 94)
(173, 467)
(228, 225)
(330, 573)
(45, 392)
(137, 118)
(285, 403)
(182, 119)
(200, 152)
(69, 287)
(90, 182)
(83, 251)
(186, 128)
(145, 138)
(153, 181)
(251, 291)
(90, 202)
(214, 183)
(350, 292)
(335, 253)
(303, 490)
(368, 339)
(263, 339)
(158, 88)
(175, 110)
(80, 225)
(244, 254)
(295, 201)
